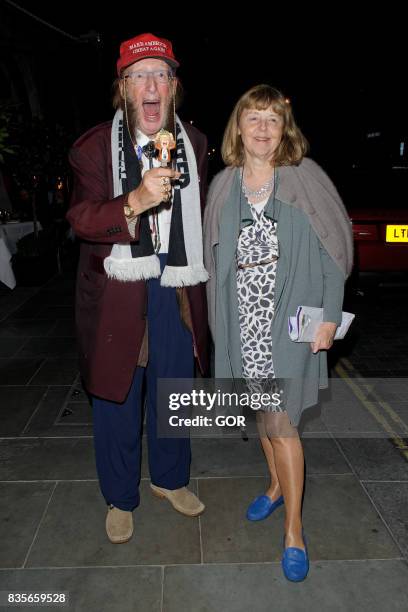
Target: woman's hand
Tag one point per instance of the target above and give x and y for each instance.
(324, 337)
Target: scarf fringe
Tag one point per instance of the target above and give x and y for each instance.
(140, 268)
(179, 276)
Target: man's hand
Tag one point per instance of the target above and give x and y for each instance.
(324, 337)
(154, 188)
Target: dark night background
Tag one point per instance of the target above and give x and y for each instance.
(344, 75)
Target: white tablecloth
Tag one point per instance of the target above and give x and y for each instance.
(10, 234)
(6, 271)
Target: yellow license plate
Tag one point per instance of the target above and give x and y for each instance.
(396, 233)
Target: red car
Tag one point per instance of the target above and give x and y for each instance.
(380, 239)
(376, 199)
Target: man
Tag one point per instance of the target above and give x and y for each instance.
(140, 306)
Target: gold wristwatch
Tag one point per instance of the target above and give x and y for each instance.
(129, 212)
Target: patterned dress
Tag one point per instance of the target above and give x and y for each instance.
(257, 244)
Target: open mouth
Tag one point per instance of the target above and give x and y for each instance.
(151, 110)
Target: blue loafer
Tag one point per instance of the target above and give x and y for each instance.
(262, 507)
(295, 562)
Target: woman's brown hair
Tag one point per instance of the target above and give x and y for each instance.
(293, 146)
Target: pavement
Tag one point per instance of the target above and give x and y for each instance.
(356, 495)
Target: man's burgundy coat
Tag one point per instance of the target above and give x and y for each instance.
(110, 314)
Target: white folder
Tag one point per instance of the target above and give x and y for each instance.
(303, 326)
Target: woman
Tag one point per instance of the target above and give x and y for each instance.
(277, 236)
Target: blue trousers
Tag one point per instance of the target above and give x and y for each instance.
(118, 426)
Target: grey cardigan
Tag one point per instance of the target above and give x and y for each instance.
(316, 254)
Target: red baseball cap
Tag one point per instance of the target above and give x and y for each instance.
(144, 46)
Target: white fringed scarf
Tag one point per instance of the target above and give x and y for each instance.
(185, 258)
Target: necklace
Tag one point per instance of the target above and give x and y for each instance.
(261, 192)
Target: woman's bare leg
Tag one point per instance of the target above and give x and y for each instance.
(274, 490)
(289, 467)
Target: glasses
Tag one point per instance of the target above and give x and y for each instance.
(139, 77)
